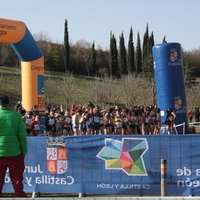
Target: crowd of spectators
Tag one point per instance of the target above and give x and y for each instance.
(92, 120)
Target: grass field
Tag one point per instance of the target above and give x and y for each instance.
(10, 84)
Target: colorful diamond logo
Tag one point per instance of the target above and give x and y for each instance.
(126, 155)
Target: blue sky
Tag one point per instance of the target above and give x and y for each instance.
(92, 20)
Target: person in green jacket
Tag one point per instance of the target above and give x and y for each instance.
(13, 146)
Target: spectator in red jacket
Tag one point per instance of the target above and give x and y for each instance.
(190, 115)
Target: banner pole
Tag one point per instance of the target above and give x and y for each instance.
(163, 177)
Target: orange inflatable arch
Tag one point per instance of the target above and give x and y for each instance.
(32, 63)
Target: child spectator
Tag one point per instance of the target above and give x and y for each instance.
(35, 127)
(50, 124)
(67, 124)
(170, 120)
(28, 121)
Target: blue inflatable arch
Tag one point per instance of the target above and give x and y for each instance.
(32, 63)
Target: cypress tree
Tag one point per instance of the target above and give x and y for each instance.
(113, 56)
(151, 42)
(123, 60)
(138, 56)
(91, 66)
(66, 48)
(131, 53)
(88, 65)
(148, 70)
(145, 46)
(164, 40)
(94, 64)
(147, 59)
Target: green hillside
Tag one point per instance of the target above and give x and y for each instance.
(63, 89)
(10, 84)
(55, 91)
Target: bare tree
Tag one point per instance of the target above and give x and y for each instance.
(112, 90)
(96, 91)
(193, 95)
(42, 36)
(49, 85)
(5, 54)
(103, 91)
(147, 92)
(135, 90)
(67, 89)
(129, 88)
(8, 56)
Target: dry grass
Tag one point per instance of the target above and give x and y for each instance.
(197, 130)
